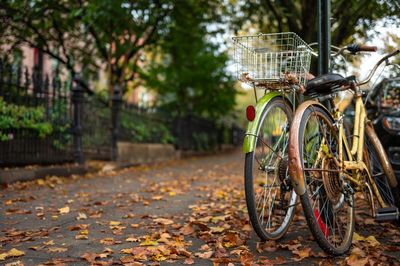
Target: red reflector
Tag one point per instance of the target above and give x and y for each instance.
(250, 112)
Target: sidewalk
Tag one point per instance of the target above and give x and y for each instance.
(189, 211)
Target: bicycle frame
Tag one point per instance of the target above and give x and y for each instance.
(355, 162)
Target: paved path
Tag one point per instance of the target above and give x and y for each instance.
(183, 212)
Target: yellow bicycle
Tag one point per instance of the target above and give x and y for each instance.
(326, 171)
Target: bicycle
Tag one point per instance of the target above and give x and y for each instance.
(326, 172)
(278, 63)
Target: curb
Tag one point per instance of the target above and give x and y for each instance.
(22, 174)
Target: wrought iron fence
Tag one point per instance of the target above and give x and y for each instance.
(141, 125)
(46, 120)
(34, 116)
(199, 134)
(96, 129)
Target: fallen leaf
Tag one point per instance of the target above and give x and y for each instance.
(129, 260)
(302, 254)
(148, 242)
(49, 243)
(372, 242)
(184, 252)
(218, 218)
(163, 221)
(84, 232)
(55, 249)
(355, 260)
(108, 241)
(159, 257)
(205, 255)
(89, 257)
(77, 227)
(216, 229)
(187, 230)
(357, 238)
(15, 263)
(64, 210)
(126, 250)
(205, 247)
(114, 223)
(81, 216)
(11, 253)
(81, 237)
(188, 261)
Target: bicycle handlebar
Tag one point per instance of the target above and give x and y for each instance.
(355, 48)
(383, 59)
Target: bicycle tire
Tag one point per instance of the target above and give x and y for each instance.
(312, 213)
(249, 178)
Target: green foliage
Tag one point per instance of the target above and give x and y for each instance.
(61, 125)
(204, 141)
(86, 33)
(351, 19)
(188, 70)
(143, 129)
(20, 117)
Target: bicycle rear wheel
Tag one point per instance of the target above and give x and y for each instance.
(269, 196)
(327, 205)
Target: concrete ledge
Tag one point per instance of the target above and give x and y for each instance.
(140, 153)
(26, 174)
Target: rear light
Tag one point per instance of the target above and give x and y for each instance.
(250, 113)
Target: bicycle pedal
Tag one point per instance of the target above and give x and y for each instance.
(386, 214)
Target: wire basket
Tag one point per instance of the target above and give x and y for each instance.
(272, 60)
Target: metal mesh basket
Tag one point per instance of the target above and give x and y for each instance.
(272, 60)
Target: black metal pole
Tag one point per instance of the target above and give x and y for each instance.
(77, 100)
(115, 110)
(324, 36)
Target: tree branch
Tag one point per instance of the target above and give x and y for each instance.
(278, 17)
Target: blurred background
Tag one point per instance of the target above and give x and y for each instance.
(83, 79)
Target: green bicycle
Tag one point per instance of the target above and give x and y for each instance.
(279, 64)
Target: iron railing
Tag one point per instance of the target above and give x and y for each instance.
(45, 118)
(35, 116)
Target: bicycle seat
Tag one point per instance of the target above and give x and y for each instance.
(325, 85)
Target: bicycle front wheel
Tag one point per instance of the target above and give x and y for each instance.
(269, 195)
(380, 169)
(327, 205)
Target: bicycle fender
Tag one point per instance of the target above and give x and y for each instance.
(250, 138)
(295, 167)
